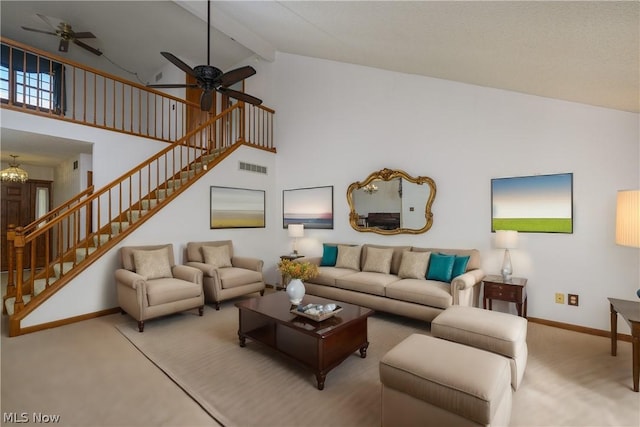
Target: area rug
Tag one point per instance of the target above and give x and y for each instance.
(570, 380)
(256, 386)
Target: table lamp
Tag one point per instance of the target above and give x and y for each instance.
(506, 239)
(628, 220)
(295, 231)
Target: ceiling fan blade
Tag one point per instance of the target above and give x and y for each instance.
(64, 45)
(87, 47)
(46, 20)
(169, 86)
(178, 63)
(39, 31)
(234, 76)
(84, 35)
(240, 96)
(206, 100)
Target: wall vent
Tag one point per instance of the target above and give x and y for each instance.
(253, 168)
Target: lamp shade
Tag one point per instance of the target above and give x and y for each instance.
(295, 230)
(628, 218)
(506, 239)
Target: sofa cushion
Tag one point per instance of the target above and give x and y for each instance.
(217, 256)
(348, 257)
(163, 291)
(440, 267)
(459, 265)
(426, 292)
(194, 253)
(378, 260)
(232, 277)
(329, 255)
(414, 265)
(395, 259)
(366, 282)
(474, 255)
(328, 275)
(152, 264)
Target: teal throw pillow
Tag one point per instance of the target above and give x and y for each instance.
(441, 267)
(459, 265)
(329, 256)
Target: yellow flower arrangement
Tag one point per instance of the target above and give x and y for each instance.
(298, 270)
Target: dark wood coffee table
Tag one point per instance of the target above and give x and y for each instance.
(320, 346)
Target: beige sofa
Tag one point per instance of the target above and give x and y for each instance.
(366, 275)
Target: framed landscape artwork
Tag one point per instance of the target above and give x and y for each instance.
(312, 207)
(537, 204)
(236, 208)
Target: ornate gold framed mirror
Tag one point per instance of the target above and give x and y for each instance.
(391, 202)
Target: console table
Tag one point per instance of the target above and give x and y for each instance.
(630, 312)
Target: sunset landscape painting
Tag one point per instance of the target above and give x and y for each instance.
(312, 207)
(538, 204)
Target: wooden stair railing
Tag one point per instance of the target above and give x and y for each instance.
(120, 207)
(91, 97)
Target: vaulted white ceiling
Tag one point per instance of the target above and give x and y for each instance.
(587, 52)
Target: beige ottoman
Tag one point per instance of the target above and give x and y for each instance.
(429, 381)
(500, 333)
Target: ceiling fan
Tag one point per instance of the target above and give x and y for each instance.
(66, 35)
(210, 79)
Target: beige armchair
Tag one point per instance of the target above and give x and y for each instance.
(150, 284)
(225, 276)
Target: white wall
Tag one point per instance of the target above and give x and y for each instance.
(336, 123)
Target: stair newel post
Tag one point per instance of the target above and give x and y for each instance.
(243, 111)
(11, 285)
(18, 243)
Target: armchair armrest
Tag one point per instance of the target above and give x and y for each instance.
(254, 264)
(466, 287)
(207, 269)
(129, 278)
(187, 273)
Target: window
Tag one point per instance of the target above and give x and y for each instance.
(30, 80)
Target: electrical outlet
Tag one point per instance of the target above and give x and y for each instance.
(559, 298)
(572, 299)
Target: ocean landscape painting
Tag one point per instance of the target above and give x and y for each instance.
(538, 204)
(237, 208)
(312, 207)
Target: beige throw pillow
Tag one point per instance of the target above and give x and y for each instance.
(414, 265)
(378, 260)
(152, 264)
(217, 256)
(348, 257)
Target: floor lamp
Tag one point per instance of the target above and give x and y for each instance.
(628, 220)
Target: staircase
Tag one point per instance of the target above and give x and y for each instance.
(113, 212)
(83, 229)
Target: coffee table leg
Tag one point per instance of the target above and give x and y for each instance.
(320, 377)
(243, 340)
(363, 350)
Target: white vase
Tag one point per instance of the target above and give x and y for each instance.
(295, 291)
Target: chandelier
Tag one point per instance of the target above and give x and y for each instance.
(14, 173)
(370, 188)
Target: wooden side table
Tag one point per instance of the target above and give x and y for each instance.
(290, 257)
(630, 312)
(513, 290)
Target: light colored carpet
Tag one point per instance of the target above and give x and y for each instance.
(571, 380)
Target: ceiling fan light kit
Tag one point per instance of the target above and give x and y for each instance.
(209, 78)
